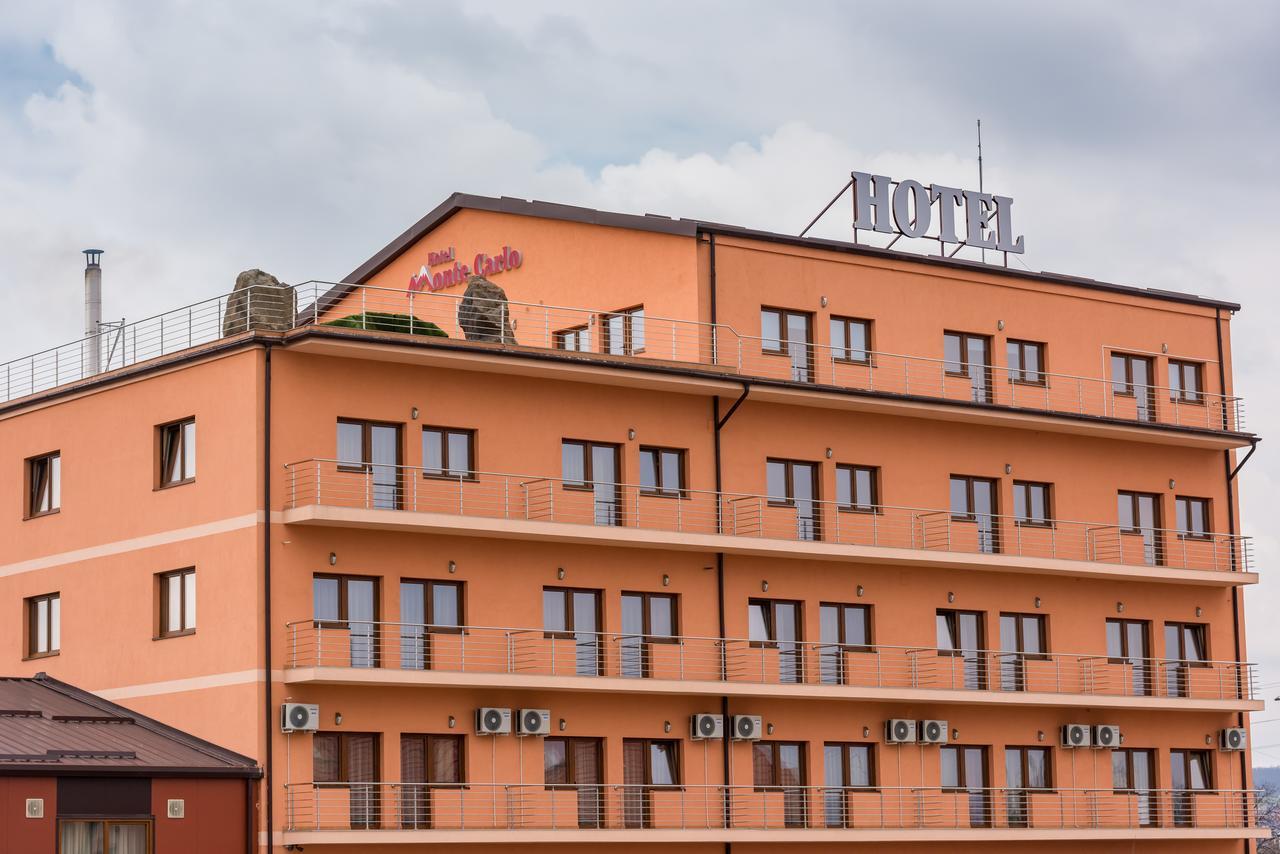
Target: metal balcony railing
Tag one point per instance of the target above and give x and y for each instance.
(495, 495)
(536, 652)
(611, 333)
(517, 807)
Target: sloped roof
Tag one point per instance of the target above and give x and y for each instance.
(50, 728)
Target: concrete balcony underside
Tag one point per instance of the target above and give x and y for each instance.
(766, 837)
(385, 677)
(608, 535)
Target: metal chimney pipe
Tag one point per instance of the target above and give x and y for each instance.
(93, 311)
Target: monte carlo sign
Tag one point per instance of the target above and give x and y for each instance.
(430, 278)
(909, 208)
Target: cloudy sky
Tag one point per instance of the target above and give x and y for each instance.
(195, 139)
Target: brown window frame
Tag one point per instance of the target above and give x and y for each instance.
(628, 316)
(1179, 393)
(872, 765)
(962, 785)
(855, 506)
(1026, 486)
(789, 482)
(429, 738)
(784, 343)
(588, 474)
(677, 764)
(660, 490)
(775, 746)
(1182, 625)
(646, 621)
(952, 616)
(1128, 788)
(443, 472)
(343, 765)
(166, 435)
(563, 335)
(1157, 527)
(428, 604)
(107, 824)
(569, 631)
(366, 443)
(1019, 375)
(570, 761)
(1124, 385)
(771, 625)
(344, 615)
(969, 480)
(30, 609)
(1042, 622)
(1026, 767)
(1206, 761)
(1125, 653)
(964, 353)
(843, 642)
(1185, 533)
(847, 323)
(162, 579)
(39, 479)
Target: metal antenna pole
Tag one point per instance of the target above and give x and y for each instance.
(980, 188)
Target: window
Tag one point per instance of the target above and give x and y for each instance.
(651, 616)
(104, 836)
(577, 763)
(426, 762)
(1189, 771)
(44, 625)
(789, 333)
(973, 499)
(1133, 772)
(1025, 769)
(963, 767)
(622, 332)
(780, 765)
(1185, 647)
(792, 483)
(1185, 384)
(448, 452)
(777, 624)
(962, 634)
(1139, 513)
(44, 484)
(575, 615)
(842, 628)
(373, 449)
(1031, 503)
(426, 607)
(578, 339)
(1129, 642)
(349, 603)
(851, 340)
(352, 758)
(177, 602)
(597, 467)
(856, 488)
(662, 471)
(1022, 637)
(1026, 362)
(1131, 376)
(647, 764)
(1193, 517)
(177, 452)
(844, 767)
(963, 352)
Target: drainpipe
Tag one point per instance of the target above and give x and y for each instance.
(726, 741)
(269, 711)
(1231, 530)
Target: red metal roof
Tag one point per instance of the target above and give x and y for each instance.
(48, 727)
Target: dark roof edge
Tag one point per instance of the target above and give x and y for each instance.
(214, 751)
(692, 227)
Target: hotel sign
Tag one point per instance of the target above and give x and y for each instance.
(908, 208)
(430, 279)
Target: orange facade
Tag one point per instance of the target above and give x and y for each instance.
(653, 504)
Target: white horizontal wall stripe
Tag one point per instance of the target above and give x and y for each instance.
(193, 683)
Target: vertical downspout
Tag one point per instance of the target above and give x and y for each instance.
(266, 593)
(1231, 531)
(725, 742)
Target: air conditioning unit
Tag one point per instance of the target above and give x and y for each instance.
(1106, 736)
(932, 732)
(747, 727)
(1075, 735)
(706, 726)
(493, 721)
(299, 717)
(533, 722)
(1233, 738)
(899, 731)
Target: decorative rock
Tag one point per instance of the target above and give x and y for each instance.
(259, 301)
(483, 314)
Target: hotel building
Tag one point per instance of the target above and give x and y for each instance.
(703, 537)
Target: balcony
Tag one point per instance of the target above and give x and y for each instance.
(327, 492)
(407, 654)
(604, 337)
(392, 813)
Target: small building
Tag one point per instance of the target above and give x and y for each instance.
(82, 775)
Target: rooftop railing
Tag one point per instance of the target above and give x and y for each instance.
(618, 334)
(412, 647)
(517, 807)
(496, 495)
